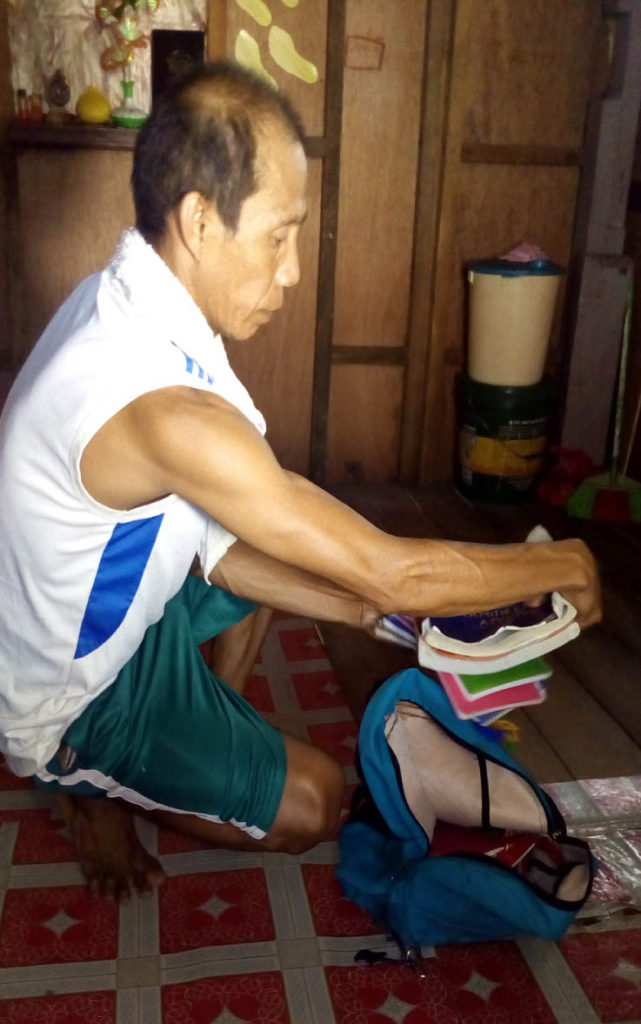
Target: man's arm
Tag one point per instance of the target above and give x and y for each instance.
(188, 442)
(249, 573)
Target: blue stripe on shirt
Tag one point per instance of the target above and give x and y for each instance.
(193, 367)
(119, 574)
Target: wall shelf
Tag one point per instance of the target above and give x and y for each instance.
(86, 136)
(71, 136)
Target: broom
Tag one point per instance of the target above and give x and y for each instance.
(613, 496)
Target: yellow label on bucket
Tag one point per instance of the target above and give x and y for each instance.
(499, 456)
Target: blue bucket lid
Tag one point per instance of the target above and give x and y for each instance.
(514, 268)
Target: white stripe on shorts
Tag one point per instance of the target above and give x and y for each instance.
(114, 789)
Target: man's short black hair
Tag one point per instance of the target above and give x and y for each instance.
(201, 137)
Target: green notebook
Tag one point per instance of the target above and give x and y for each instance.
(528, 671)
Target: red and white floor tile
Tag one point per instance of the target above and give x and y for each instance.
(269, 939)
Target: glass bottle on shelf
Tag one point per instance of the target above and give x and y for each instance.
(128, 115)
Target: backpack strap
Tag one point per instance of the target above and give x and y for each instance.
(485, 792)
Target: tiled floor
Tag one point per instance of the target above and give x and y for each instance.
(269, 939)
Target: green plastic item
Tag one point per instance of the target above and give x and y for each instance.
(128, 115)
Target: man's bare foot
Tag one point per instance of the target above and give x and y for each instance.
(112, 857)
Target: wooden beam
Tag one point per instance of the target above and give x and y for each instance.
(598, 281)
(595, 353)
(328, 234)
(610, 142)
(537, 156)
(316, 147)
(216, 41)
(372, 355)
(17, 299)
(439, 37)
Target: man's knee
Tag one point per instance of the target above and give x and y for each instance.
(311, 806)
(323, 805)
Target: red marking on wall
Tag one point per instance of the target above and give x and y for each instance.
(363, 53)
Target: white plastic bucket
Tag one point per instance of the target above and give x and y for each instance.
(511, 310)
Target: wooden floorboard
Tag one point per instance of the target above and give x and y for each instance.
(590, 725)
(611, 673)
(536, 753)
(587, 737)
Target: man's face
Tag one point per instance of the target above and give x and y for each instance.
(241, 277)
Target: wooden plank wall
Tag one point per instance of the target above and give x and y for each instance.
(464, 139)
(461, 135)
(73, 205)
(520, 79)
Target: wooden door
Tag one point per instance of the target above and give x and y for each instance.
(329, 372)
(381, 123)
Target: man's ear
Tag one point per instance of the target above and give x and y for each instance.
(197, 218)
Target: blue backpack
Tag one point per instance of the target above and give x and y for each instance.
(449, 839)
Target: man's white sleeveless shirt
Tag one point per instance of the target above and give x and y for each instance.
(80, 583)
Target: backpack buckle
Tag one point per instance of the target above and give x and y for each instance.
(411, 956)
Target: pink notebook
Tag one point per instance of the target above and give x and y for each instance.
(514, 696)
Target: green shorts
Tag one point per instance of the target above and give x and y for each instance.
(169, 734)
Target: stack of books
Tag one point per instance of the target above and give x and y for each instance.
(491, 662)
(487, 697)
(495, 640)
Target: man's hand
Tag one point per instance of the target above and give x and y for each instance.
(586, 599)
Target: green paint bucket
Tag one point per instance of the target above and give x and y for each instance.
(502, 441)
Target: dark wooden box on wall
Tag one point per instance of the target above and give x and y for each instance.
(173, 52)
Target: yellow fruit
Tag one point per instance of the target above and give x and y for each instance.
(93, 107)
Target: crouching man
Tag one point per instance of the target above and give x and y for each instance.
(142, 511)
